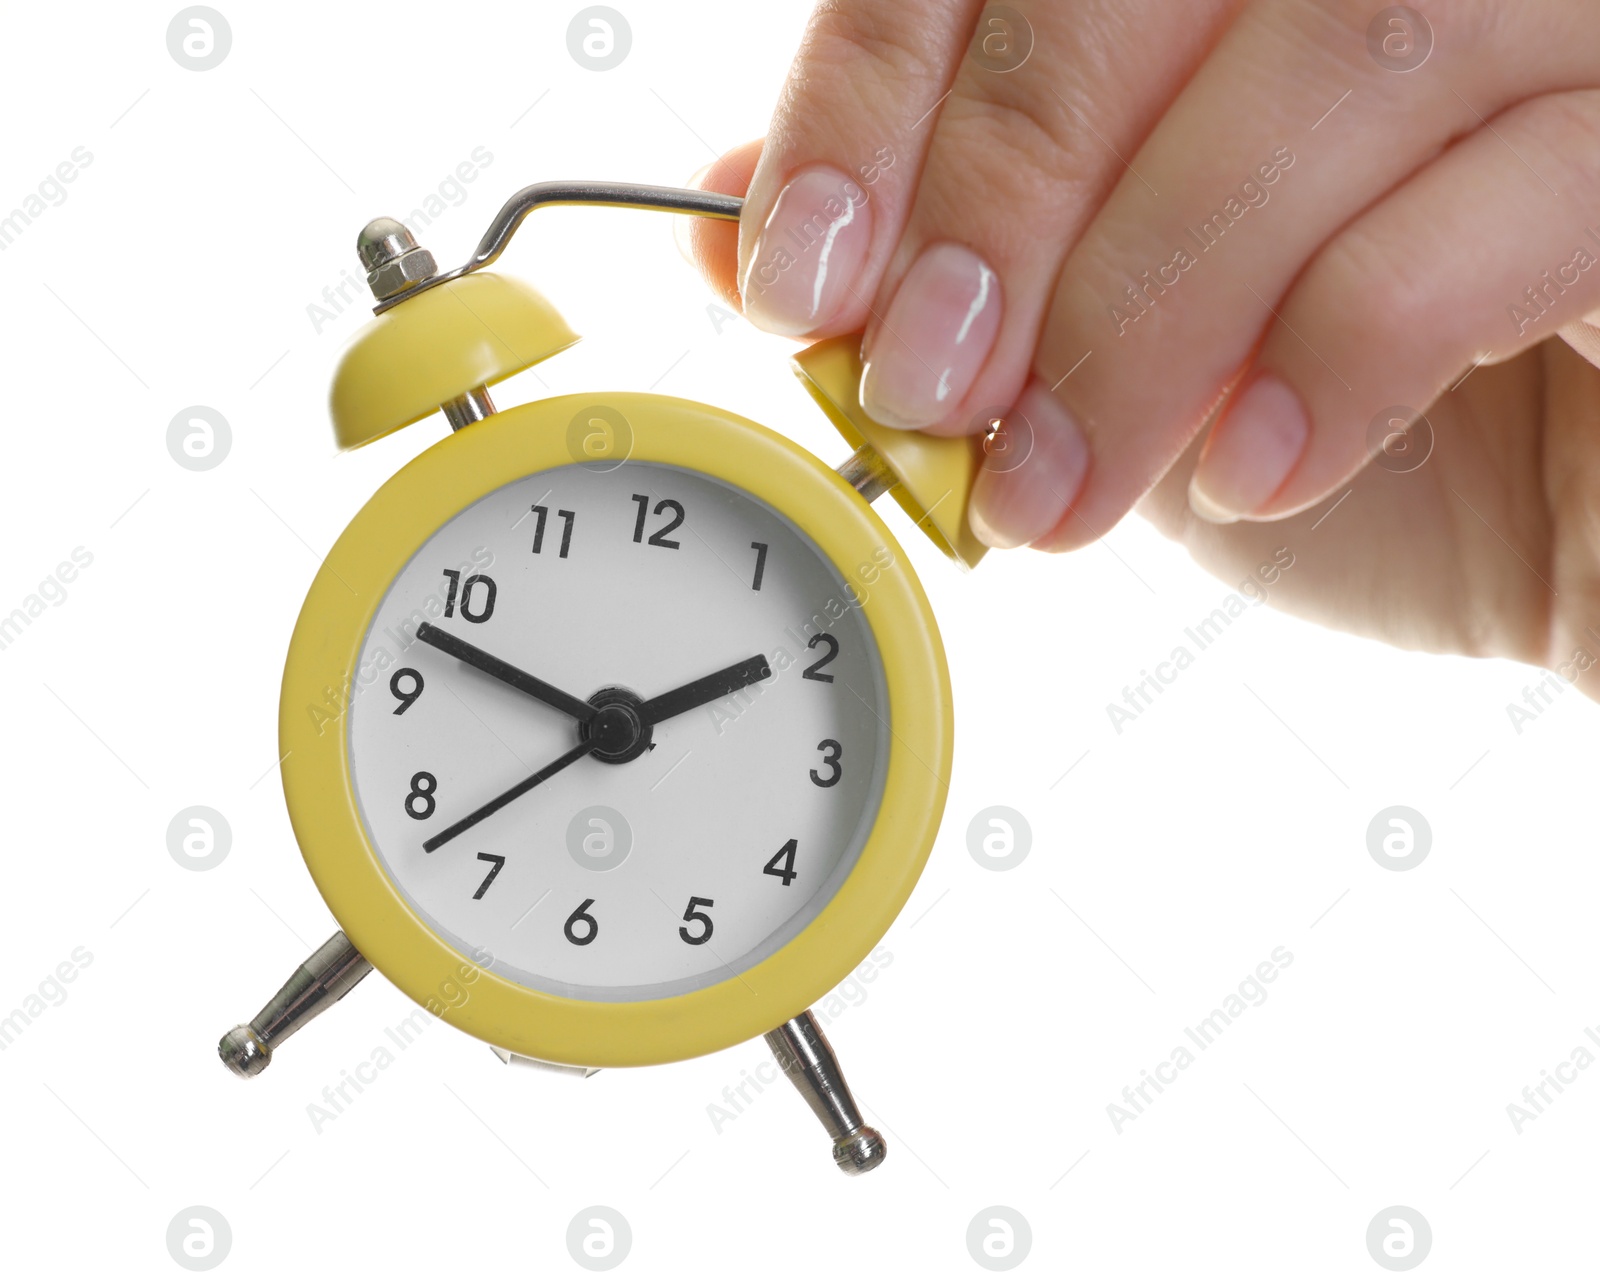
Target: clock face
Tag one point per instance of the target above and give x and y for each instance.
(627, 733)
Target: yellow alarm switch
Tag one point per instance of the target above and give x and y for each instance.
(935, 473)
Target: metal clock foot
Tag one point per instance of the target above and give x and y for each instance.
(804, 1054)
(319, 983)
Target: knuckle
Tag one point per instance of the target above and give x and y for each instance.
(840, 35)
(1371, 272)
(1016, 150)
(1565, 128)
(1016, 129)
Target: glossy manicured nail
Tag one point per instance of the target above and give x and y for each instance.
(812, 247)
(1251, 451)
(1033, 467)
(935, 337)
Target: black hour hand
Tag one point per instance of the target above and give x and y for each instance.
(708, 688)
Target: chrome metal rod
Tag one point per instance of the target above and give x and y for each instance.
(804, 1054)
(626, 195)
(468, 407)
(867, 473)
(318, 984)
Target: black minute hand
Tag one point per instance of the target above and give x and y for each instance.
(705, 689)
(506, 673)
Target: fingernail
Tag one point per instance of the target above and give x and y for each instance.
(1251, 451)
(812, 246)
(1033, 467)
(935, 337)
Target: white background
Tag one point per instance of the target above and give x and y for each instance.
(1228, 820)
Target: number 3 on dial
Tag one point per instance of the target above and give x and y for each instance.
(832, 753)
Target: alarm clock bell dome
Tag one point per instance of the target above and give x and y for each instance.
(438, 343)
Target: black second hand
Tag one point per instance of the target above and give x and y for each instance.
(501, 800)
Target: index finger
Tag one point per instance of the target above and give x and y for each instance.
(830, 195)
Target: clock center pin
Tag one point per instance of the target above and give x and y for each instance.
(620, 731)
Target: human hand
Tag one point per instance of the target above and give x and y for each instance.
(1207, 251)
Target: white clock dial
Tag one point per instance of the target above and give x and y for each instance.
(722, 832)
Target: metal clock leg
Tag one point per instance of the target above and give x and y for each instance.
(804, 1054)
(319, 983)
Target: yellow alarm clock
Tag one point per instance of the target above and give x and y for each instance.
(615, 728)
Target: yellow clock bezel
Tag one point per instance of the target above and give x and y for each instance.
(322, 675)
